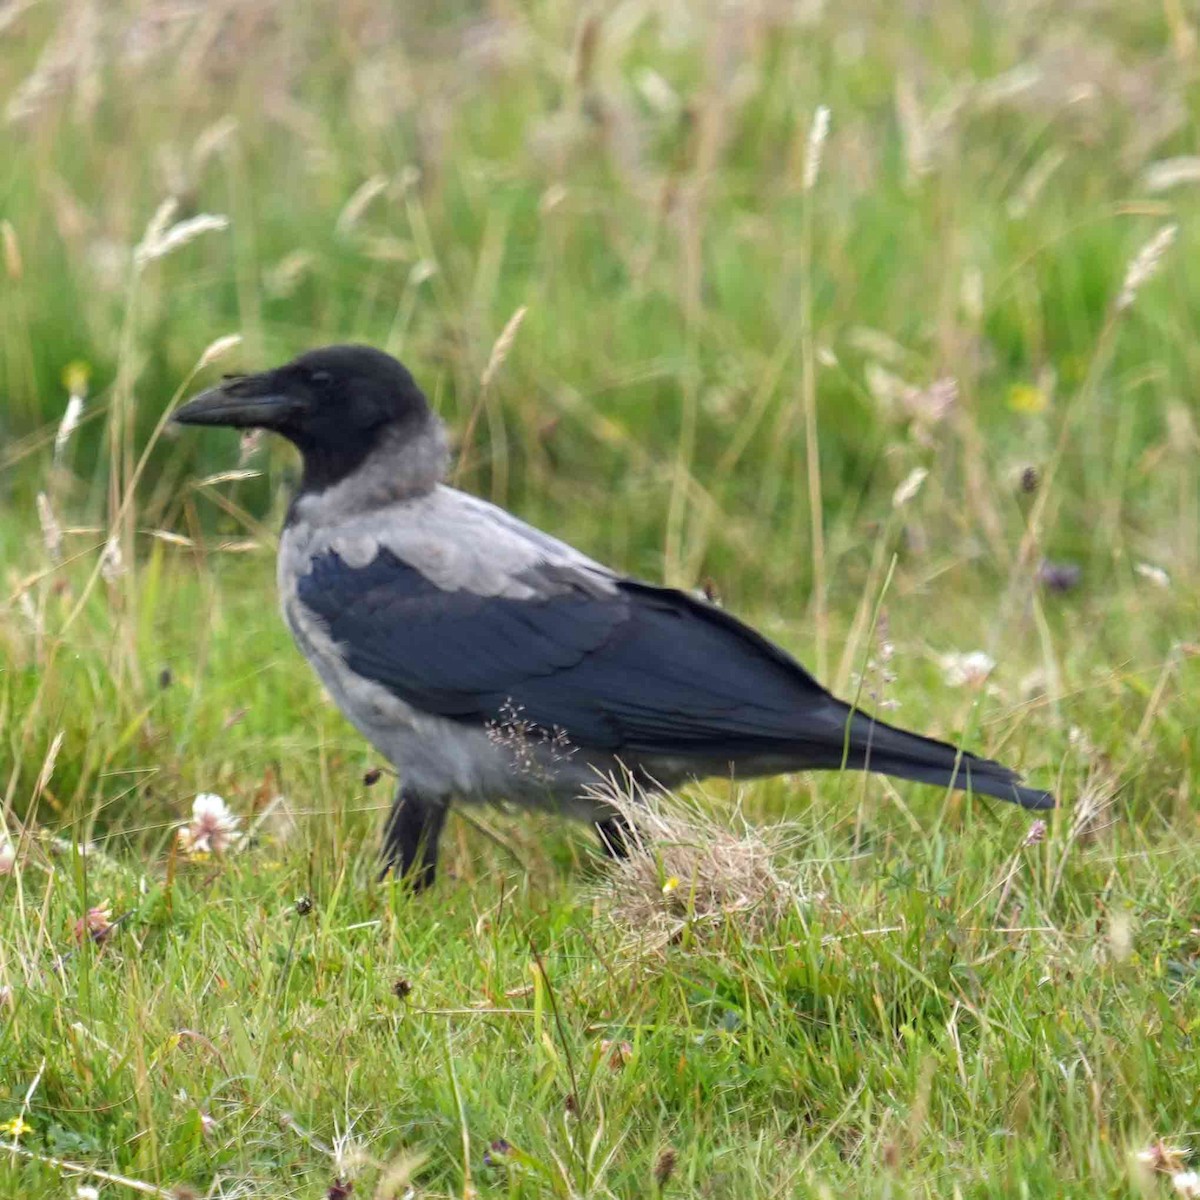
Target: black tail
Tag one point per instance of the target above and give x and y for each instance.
(873, 745)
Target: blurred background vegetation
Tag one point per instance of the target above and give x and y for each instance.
(632, 174)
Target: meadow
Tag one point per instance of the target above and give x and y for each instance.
(874, 320)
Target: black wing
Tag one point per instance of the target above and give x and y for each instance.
(643, 669)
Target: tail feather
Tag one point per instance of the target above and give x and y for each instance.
(873, 745)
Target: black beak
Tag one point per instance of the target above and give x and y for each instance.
(242, 402)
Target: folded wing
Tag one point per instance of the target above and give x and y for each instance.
(617, 666)
(623, 666)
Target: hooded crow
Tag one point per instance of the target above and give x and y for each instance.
(488, 661)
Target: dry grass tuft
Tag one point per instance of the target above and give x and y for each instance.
(687, 869)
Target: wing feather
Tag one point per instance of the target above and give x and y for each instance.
(629, 667)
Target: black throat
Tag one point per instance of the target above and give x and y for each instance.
(330, 461)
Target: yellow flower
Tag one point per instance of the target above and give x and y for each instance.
(75, 377)
(670, 885)
(17, 1127)
(1027, 398)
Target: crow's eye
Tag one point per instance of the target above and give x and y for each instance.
(320, 378)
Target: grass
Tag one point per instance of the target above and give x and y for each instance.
(931, 997)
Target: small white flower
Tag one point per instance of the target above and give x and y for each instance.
(212, 829)
(1186, 1183)
(967, 670)
(8, 856)
(85, 1191)
(1036, 834)
(1079, 741)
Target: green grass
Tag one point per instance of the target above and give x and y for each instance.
(943, 1007)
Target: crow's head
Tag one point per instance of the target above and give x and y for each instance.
(336, 404)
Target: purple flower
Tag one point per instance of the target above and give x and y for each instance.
(1059, 576)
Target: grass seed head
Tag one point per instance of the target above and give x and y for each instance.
(503, 345)
(1145, 265)
(52, 535)
(817, 134)
(217, 349)
(162, 238)
(1154, 575)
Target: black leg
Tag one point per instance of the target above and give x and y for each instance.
(616, 836)
(410, 838)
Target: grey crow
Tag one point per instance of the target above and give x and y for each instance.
(488, 661)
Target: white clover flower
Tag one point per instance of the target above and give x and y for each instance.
(967, 670)
(8, 856)
(1186, 1183)
(212, 829)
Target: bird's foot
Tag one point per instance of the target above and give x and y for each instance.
(617, 836)
(410, 839)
